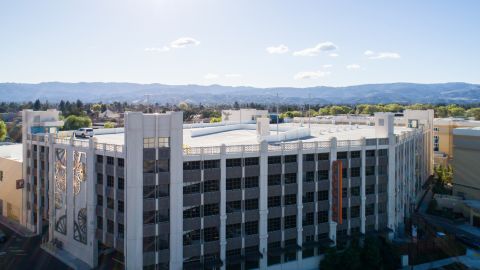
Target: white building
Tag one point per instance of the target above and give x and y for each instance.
(169, 196)
(243, 115)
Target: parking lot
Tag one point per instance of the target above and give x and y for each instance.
(20, 253)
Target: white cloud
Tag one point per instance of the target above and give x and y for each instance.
(184, 42)
(321, 47)
(233, 75)
(381, 55)
(157, 49)
(211, 76)
(280, 49)
(327, 66)
(333, 55)
(311, 75)
(353, 66)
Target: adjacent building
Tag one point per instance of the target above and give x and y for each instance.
(11, 183)
(466, 169)
(237, 196)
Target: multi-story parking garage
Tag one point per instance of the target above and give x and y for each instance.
(240, 196)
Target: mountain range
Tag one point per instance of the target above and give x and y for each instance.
(454, 92)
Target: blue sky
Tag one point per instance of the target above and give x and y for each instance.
(258, 43)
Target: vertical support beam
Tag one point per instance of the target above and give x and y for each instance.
(91, 205)
(300, 204)
(332, 224)
(223, 205)
(363, 197)
(391, 182)
(263, 205)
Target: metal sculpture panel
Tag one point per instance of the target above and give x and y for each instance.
(60, 190)
(79, 197)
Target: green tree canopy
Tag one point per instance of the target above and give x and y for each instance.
(109, 125)
(74, 122)
(474, 112)
(3, 130)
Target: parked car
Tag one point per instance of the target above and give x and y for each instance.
(84, 132)
(3, 237)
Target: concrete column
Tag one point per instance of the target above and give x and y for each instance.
(363, 197)
(51, 190)
(91, 205)
(391, 182)
(223, 205)
(38, 226)
(332, 224)
(300, 203)
(263, 204)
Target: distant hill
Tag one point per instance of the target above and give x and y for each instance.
(456, 92)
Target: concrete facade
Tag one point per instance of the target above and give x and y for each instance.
(466, 149)
(10, 173)
(161, 204)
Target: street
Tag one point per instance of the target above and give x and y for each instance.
(20, 253)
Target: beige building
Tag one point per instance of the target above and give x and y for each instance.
(443, 136)
(466, 169)
(11, 176)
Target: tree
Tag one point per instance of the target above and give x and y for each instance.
(215, 119)
(3, 130)
(441, 112)
(37, 105)
(183, 106)
(335, 110)
(393, 107)
(455, 111)
(324, 111)
(474, 112)
(74, 122)
(109, 125)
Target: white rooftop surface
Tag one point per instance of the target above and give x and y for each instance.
(320, 132)
(12, 152)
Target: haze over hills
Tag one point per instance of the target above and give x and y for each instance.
(457, 92)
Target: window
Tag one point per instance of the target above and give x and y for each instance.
(342, 155)
(382, 188)
(251, 182)
(234, 230)
(148, 142)
(121, 206)
(251, 227)
(191, 212)
(110, 203)
(382, 170)
(355, 191)
(252, 161)
(110, 226)
(211, 164)
(274, 201)
(99, 223)
(100, 200)
(99, 159)
(110, 160)
(323, 195)
(110, 181)
(210, 209)
(370, 189)
(121, 162)
(163, 165)
(309, 176)
(344, 192)
(275, 179)
(191, 187)
(369, 209)
(149, 192)
(309, 197)
(344, 172)
(323, 175)
(274, 224)
(149, 166)
(309, 157)
(191, 165)
(236, 162)
(251, 204)
(355, 172)
(1, 175)
(290, 158)
(369, 170)
(274, 160)
(383, 152)
(99, 178)
(210, 234)
(121, 183)
(370, 153)
(163, 215)
(355, 211)
(234, 206)
(355, 154)
(290, 199)
(344, 213)
(322, 216)
(210, 185)
(308, 219)
(191, 237)
(290, 222)
(323, 156)
(163, 142)
(382, 207)
(233, 183)
(290, 178)
(148, 217)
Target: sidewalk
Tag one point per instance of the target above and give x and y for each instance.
(17, 228)
(65, 257)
